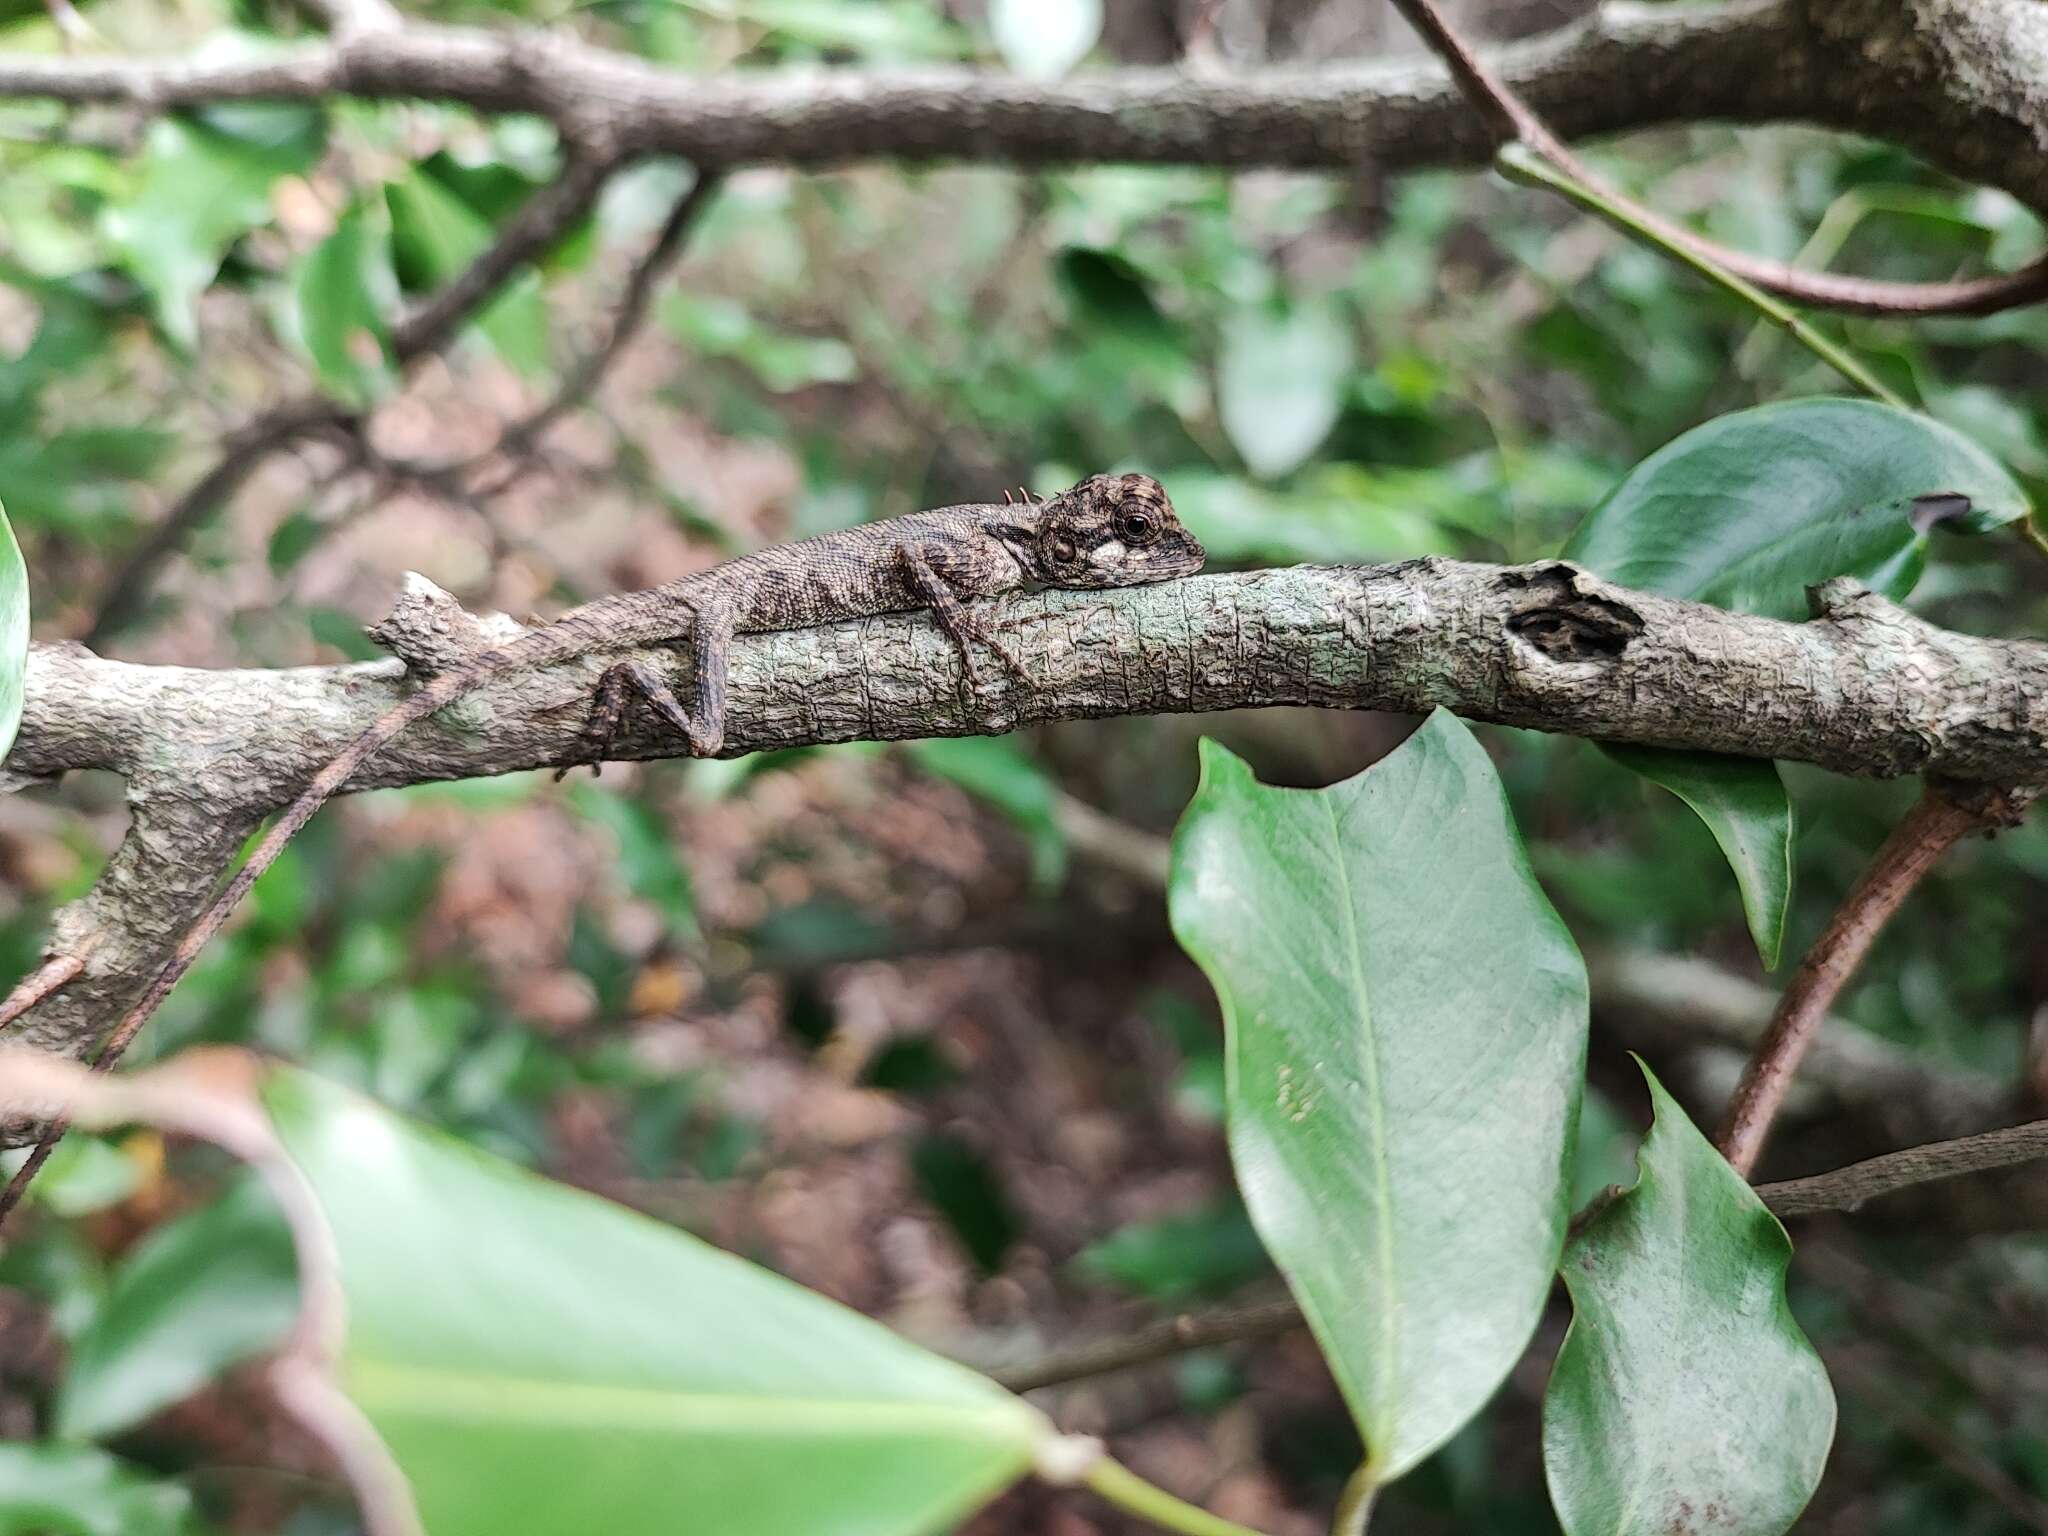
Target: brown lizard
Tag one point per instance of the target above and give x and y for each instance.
(1107, 531)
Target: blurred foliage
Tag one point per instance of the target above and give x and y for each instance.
(1320, 370)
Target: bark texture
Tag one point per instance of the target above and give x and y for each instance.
(1864, 688)
(1959, 81)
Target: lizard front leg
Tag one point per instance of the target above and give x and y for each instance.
(703, 728)
(924, 570)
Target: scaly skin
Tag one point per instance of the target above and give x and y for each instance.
(1107, 531)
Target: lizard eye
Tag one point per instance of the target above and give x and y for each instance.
(1063, 550)
(1137, 527)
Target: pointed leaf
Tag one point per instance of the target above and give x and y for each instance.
(1406, 1023)
(1745, 805)
(1752, 508)
(203, 1292)
(1685, 1398)
(502, 1328)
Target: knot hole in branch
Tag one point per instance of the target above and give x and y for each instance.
(1559, 617)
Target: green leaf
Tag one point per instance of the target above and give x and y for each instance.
(1043, 39)
(203, 1292)
(1752, 508)
(1745, 805)
(1280, 382)
(995, 770)
(75, 1490)
(203, 183)
(13, 633)
(1685, 1397)
(501, 1328)
(1406, 1021)
(435, 235)
(341, 293)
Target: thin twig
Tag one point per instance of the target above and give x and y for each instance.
(630, 315)
(39, 984)
(1527, 165)
(538, 225)
(242, 453)
(1511, 119)
(1156, 1341)
(1938, 821)
(1847, 1189)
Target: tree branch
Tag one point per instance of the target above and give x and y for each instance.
(1848, 1189)
(1867, 688)
(1942, 818)
(543, 220)
(1843, 1189)
(1844, 64)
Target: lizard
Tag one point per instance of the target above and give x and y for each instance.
(1105, 531)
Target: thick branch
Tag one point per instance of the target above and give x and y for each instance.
(1867, 689)
(1628, 66)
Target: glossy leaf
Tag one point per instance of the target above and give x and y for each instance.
(203, 1292)
(1280, 384)
(341, 294)
(502, 1328)
(203, 184)
(1685, 1398)
(1745, 805)
(435, 235)
(75, 1490)
(1406, 1023)
(1750, 509)
(1043, 39)
(13, 633)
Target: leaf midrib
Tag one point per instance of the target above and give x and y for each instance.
(485, 1396)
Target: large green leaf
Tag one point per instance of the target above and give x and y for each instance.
(504, 1331)
(13, 633)
(1750, 510)
(1685, 1397)
(1744, 803)
(1406, 1022)
(204, 1292)
(203, 183)
(75, 1490)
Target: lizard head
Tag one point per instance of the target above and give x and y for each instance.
(1112, 531)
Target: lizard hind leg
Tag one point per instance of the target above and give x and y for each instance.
(620, 681)
(703, 728)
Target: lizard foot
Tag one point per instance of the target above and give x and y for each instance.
(608, 708)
